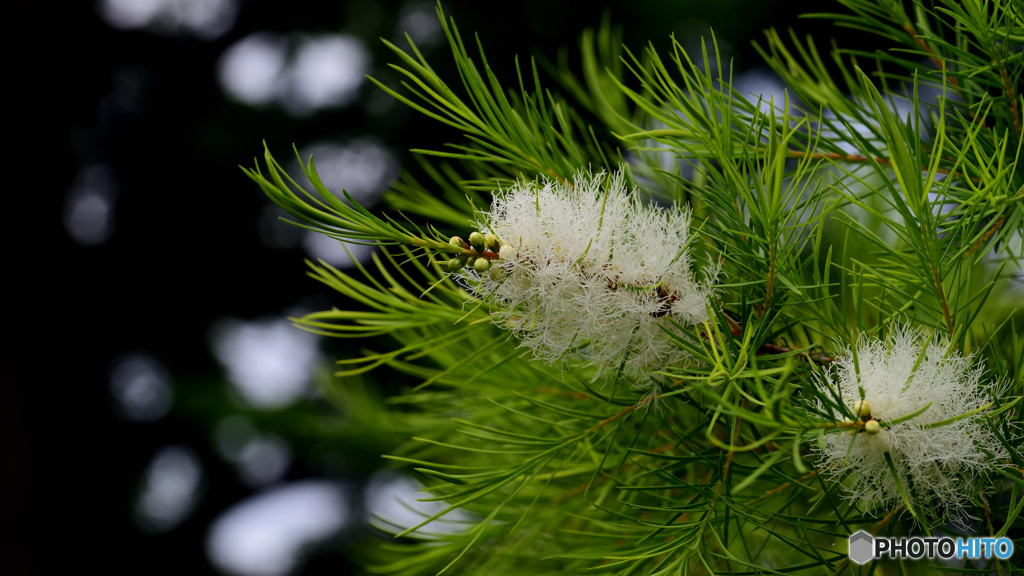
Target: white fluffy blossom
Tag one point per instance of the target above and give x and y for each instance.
(587, 268)
(942, 463)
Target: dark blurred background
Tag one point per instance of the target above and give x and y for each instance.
(158, 412)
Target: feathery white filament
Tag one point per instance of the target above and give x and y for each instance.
(592, 270)
(941, 463)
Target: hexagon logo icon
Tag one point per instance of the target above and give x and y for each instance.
(861, 547)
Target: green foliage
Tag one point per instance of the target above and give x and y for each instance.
(849, 205)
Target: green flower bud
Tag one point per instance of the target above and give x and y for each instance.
(862, 409)
(872, 427)
(497, 273)
(491, 241)
(506, 252)
(477, 240)
(456, 264)
(456, 241)
(481, 265)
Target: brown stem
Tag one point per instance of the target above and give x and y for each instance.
(771, 280)
(769, 348)
(991, 231)
(611, 419)
(935, 58)
(864, 159)
(601, 424)
(725, 470)
(991, 530)
(939, 291)
(778, 489)
(562, 393)
(1008, 90)
(988, 234)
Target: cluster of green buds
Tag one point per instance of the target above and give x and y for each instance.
(484, 247)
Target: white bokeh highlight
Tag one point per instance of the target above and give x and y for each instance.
(269, 533)
(392, 506)
(301, 73)
(89, 206)
(762, 85)
(326, 72)
(170, 490)
(204, 19)
(269, 361)
(141, 387)
(264, 459)
(419, 20)
(259, 458)
(251, 70)
(363, 168)
(335, 252)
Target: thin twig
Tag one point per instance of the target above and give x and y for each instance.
(995, 227)
(771, 280)
(866, 159)
(935, 58)
(778, 489)
(937, 276)
(769, 348)
(1008, 90)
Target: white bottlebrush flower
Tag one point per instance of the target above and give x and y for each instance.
(588, 268)
(942, 463)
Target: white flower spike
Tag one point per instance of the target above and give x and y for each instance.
(899, 377)
(590, 269)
